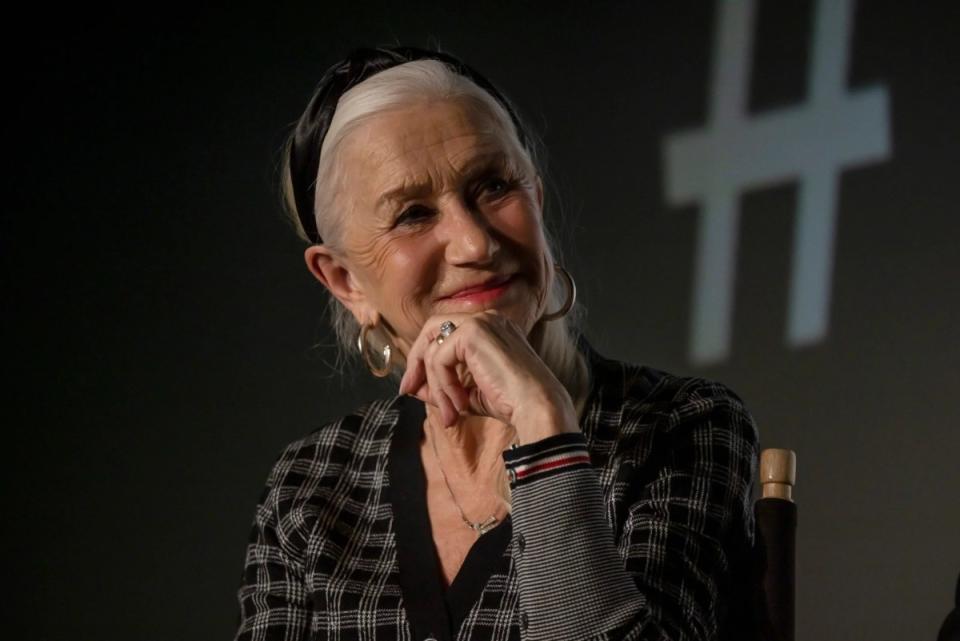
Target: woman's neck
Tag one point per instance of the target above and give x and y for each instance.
(472, 447)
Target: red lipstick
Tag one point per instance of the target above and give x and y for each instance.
(484, 292)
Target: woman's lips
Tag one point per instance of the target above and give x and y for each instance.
(485, 292)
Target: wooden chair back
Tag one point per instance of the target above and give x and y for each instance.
(775, 548)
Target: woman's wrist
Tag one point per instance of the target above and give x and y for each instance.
(537, 421)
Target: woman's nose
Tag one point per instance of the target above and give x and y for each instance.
(470, 237)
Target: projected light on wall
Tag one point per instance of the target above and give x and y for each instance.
(810, 144)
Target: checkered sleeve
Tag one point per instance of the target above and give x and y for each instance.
(273, 597)
(659, 574)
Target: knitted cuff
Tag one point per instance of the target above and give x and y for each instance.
(546, 457)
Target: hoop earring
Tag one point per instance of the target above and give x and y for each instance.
(379, 372)
(571, 296)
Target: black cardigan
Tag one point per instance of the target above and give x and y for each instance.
(635, 543)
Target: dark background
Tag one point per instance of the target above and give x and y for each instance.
(164, 340)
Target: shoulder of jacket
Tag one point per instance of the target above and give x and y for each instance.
(324, 454)
(694, 398)
(366, 422)
(307, 477)
(645, 399)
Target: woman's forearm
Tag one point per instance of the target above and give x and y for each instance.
(572, 582)
(661, 583)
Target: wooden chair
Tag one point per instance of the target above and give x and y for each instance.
(774, 551)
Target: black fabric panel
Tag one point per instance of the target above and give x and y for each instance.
(432, 610)
(776, 549)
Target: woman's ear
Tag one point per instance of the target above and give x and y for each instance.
(539, 193)
(335, 275)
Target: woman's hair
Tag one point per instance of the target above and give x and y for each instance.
(373, 81)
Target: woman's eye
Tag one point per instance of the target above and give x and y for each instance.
(413, 214)
(495, 186)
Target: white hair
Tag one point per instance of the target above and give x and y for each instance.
(396, 88)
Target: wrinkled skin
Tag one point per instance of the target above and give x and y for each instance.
(395, 262)
(471, 219)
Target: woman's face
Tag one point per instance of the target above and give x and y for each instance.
(428, 208)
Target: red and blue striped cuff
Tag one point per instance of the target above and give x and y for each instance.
(546, 457)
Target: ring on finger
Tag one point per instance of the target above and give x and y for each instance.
(446, 328)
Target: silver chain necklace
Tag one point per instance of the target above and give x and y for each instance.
(480, 528)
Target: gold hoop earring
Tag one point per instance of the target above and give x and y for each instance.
(379, 372)
(571, 296)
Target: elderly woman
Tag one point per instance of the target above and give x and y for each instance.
(520, 485)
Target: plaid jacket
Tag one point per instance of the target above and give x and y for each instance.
(627, 531)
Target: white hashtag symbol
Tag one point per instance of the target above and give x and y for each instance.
(810, 143)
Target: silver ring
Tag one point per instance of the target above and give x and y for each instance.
(446, 328)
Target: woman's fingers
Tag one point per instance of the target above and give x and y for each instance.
(423, 393)
(484, 347)
(415, 374)
(412, 378)
(443, 375)
(436, 381)
(433, 385)
(446, 364)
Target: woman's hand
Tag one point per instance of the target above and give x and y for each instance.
(486, 367)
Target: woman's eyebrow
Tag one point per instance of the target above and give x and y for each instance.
(470, 169)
